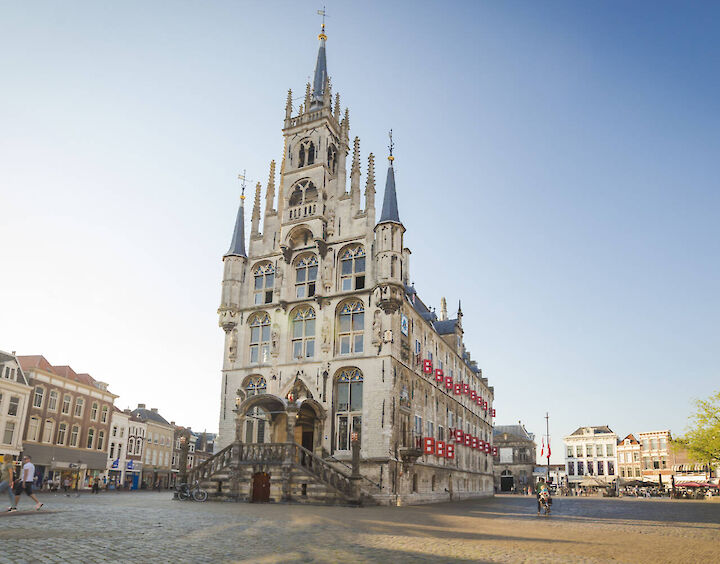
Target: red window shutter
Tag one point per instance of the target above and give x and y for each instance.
(429, 445)
(481, 444)
(495, 452)
(474, 442)
(473, 395)
(493, 412)
(448, 382)
(458, 388)
(468, 440)
(440, 448)
(439, 376)
(427, 366)
(450, 451)
(487, 448)
(466, 388)
(458, 435)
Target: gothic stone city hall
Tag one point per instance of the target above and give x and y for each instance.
(339, 384)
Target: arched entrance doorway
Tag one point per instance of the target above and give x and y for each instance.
(506, 481)
(261, 487)
(305, 427)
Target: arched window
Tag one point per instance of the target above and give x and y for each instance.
(131, 445)
(303, 200)
(138, 446)
(33, 429)
(260, 338)
(306, 153)
(306, 270)
(62, 430)
(350, 332)
(104, 414)
(90, 438)
(38, 397)
(352, 268)
(349, 407)
(66, 404)
(256, 385)
(100, 440)
(303, 332)
(74, 432)
(264, 281)
(52, 400)
(94, 411)
(48, 428)
(332, 158)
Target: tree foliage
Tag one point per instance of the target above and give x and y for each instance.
(703, 439)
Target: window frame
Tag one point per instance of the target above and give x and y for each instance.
(263, 272)
(303, 317)
(353, 336)
(352, 255)
(348, 415)
(260, 349)
(308, 265)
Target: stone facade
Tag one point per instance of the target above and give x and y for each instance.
(514, 463)
(158, 447)
(325, 339)
(591, 451)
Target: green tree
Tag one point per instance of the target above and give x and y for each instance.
(703, 439)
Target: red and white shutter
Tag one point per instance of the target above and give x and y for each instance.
(448, 382)
(440, 448)
(473, 395)
(427, 366)
(468, 439)
(458, 388)
(439, 376)
(450, 451)
(428, 445)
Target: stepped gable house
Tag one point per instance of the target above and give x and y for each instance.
(327, 343)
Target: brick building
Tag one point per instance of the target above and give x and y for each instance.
(68, 422)
(15, 396)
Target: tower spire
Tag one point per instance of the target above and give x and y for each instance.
(390, 208)
(320, 68)
(237, 244)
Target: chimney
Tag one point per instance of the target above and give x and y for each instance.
(128, 411)
(153, 409)
(172, 423)
(141, 406)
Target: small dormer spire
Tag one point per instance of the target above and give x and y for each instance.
(288, 105)
(255, 225)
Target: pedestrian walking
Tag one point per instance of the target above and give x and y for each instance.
(6, 478)
(25, 484)
(96, 486)
(66, 484)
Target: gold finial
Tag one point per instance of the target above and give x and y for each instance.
(391, 147)
(322, 27)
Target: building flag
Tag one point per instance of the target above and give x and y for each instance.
(548, 454)
(542, 448)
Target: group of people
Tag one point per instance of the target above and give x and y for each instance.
(16, 485)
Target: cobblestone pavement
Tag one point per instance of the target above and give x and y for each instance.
(150, 527)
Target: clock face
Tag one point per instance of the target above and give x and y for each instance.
(404, 324)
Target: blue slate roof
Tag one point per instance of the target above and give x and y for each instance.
(237, 245)
(320, 75)
(390, 208)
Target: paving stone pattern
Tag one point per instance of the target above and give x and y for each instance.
(150, 527)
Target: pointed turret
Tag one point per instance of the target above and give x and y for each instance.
(370, 190)
(337, 107)
(270, 194)
(255, 224)
(443, 309)
(320, 73)
(390, 207)
(237, 244)
(355, 178)
(288, 105)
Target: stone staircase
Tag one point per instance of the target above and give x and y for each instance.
(295, 475)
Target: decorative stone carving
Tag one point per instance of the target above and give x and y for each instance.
(233, 345)
(325, 336)
(376, 328)
(275, 340)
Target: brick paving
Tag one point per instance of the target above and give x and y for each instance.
(150, 527)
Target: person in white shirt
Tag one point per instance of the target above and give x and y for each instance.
(25, 483)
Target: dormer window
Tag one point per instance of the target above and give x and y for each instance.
(306, 155)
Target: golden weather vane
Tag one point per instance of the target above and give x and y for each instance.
(391, 147)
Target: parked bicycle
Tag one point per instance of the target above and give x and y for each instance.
(187, 491)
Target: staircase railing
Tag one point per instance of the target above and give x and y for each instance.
(368, 480)
(322, 470)
(276, 453)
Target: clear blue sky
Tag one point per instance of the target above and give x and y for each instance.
(556, 170)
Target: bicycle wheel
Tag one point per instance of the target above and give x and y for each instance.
(183, 495)
(200, 495)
